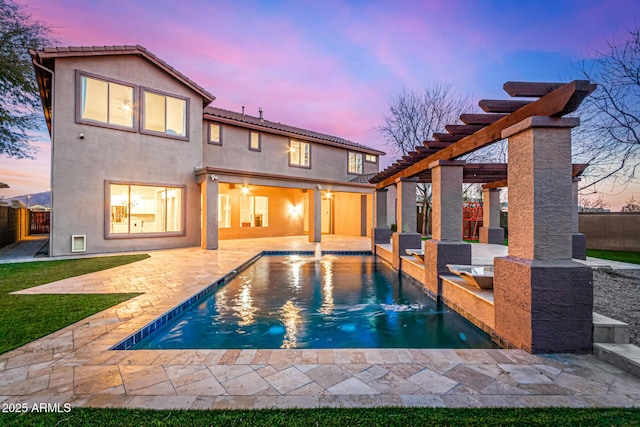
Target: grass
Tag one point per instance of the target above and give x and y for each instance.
(24, 318)
(622, 256)
(333, 417)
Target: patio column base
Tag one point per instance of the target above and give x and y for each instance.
(380, 235)
(579, 246)
(543, 306)
(402, 242)
(492, 235)
(437, 254)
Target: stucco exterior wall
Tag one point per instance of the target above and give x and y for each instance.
(81, 166)
(615, 231)
(327, 162)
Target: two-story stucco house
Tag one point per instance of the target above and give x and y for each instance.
(141, 161)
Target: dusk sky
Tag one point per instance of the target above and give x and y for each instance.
(334, 66)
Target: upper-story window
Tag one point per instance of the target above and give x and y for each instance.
(255, 141)
(215, 134)
(164, 114)
(371, 158)
(355, 162)
(105, 102)
(299, 154)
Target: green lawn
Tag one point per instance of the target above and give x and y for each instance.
(24, 318)
(334, 417)
(623, 256)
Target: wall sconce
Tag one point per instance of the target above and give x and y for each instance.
(244, 190)
(328, 195)
(294, 210)
(213, 177)
(318, 186)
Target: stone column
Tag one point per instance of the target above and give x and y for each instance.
(209, 229)
(543, 300)
(381, 232)
(446, 245)
(491, 232)
(406, 237)
(315, 214)
(578, 240)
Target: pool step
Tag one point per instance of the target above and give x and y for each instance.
(609, 331)
(624, 356)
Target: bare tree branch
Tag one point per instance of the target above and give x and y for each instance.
(609, 138)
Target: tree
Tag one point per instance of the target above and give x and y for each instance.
(413, 117)
(592, 204)
(609, 137)
(19, 102)
(631, 205)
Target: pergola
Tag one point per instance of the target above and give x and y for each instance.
(481, 130)
(542, 299)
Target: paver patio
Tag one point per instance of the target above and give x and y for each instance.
(75, 365)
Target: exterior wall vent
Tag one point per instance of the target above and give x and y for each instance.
(78, 243)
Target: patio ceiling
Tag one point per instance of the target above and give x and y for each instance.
(480, 130)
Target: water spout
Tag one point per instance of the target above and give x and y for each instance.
(318, 252)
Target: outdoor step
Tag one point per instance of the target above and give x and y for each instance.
(609, 331)
(624, 356)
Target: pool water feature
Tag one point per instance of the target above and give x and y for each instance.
(301, 302)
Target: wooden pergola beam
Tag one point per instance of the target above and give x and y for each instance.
(530, 89)
(480, 119)
(577, 169)
(437, 145)
(501, 105)
(447, 137)
(463, 129)
(557, 103)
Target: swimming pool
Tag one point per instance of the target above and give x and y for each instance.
(298, 302)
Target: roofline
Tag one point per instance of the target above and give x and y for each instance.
(82, 51)
(284, 178)
(269, 129)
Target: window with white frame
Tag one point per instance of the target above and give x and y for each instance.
(215, 134)
(164, 114)
(299, 153)
(371, 158)
(144, 209)
(254, 211)
(224, 211)
(355, 163)
(105, 102)
(255, 141)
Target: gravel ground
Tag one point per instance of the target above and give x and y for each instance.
(616, 294)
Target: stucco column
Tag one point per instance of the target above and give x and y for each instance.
(315, 214)
(578, 240)
(381, 232)
(209, 230)
(543, 300)
(491, 232)
(406, 237)
(446, 245)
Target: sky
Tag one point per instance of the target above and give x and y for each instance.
(334, 66)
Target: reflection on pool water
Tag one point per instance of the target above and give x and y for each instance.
(335, 302)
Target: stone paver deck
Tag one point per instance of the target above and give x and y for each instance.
(74, 365)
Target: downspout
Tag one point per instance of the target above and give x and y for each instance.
(52, 215)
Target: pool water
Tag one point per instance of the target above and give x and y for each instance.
(335, 302)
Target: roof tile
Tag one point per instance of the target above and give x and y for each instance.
(245, 118)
